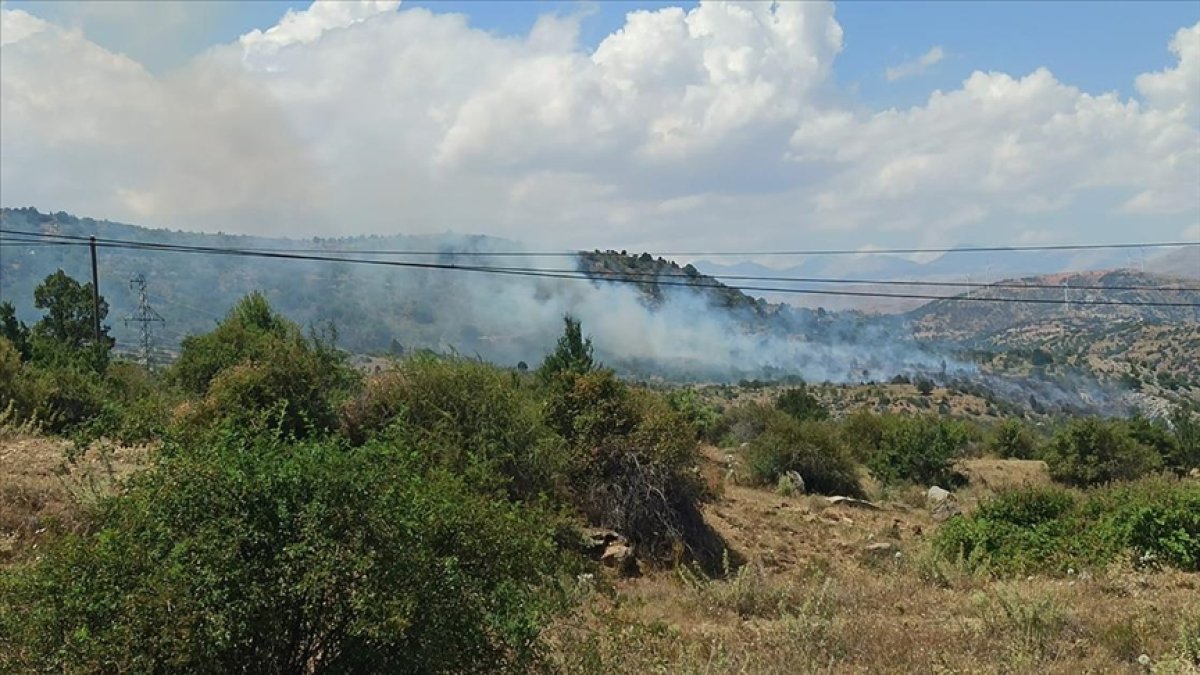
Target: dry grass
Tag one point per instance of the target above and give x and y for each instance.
(813, 598)
(44, 485)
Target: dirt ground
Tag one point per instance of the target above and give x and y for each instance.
(839, 588)
(42, 490)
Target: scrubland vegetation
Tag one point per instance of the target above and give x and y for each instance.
(285, 513)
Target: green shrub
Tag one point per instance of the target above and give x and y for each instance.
(743, 423)
(862, 432)
(918, 449)
(1185, 426)
(1013, 439)
(466, 416)
(1049, 529)
(277, 558)
(704, 418)
(572, 354)
(1093, 451)
(801, 404)
(814, 449)
(634, 463)
(68, 397)
(15, 389)
(256, 370)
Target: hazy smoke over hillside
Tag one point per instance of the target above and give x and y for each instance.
(680, 334)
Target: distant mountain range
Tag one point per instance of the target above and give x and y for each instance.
(693, 328)
(954, 266)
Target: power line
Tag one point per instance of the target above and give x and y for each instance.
(796, 252)
(574, 274)
(770, 278)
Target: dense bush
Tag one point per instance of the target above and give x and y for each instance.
(1013, 439)
(814, 449)
(862, 432)
(1093, 451)
(633, 465)
(257, 370)
(704, 417)
(1050, 529)
(1185, 425)
(466, 416)
(918, 449)
(280, 558)
(801, 404)
(743, 423)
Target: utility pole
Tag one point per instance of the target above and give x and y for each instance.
(145, 315)
(95, 292)
(1066, 299)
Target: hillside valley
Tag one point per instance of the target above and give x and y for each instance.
(651, 318)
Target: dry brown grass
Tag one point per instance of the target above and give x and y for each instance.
(42, 490)
(813, 598)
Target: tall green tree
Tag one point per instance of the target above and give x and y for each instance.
(66, 331)
(1186, 426)
(572, 354)
(16, 331)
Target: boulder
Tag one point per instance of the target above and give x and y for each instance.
(621, 558)
(937, 494)
(942, 504)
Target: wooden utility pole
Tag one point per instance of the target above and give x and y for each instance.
(95, 292)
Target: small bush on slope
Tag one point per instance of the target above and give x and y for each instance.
(918, 449)
(1052, 529)
(1092, 451)
(814, 449)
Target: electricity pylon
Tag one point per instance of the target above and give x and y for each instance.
(145, 315)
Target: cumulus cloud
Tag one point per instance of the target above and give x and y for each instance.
(715, 126)
(1000, 145)
(308, 25)
(916, 66)
(1177, 89)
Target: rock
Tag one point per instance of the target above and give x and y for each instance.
(881, 548)
(1194, 473)
(597, 540)
(850, 501)
(791, 483)
(937, 495)
(942, 504)
(946, 510)
(621, 558)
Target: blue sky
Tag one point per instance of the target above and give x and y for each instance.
(1097, 46)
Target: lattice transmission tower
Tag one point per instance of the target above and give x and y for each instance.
(146, 316)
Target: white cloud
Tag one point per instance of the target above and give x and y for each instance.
(712, 127)
(916, 66)
(308, 25)
(1177, 89)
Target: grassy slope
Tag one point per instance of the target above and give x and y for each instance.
(811, 598)
(814, 599)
